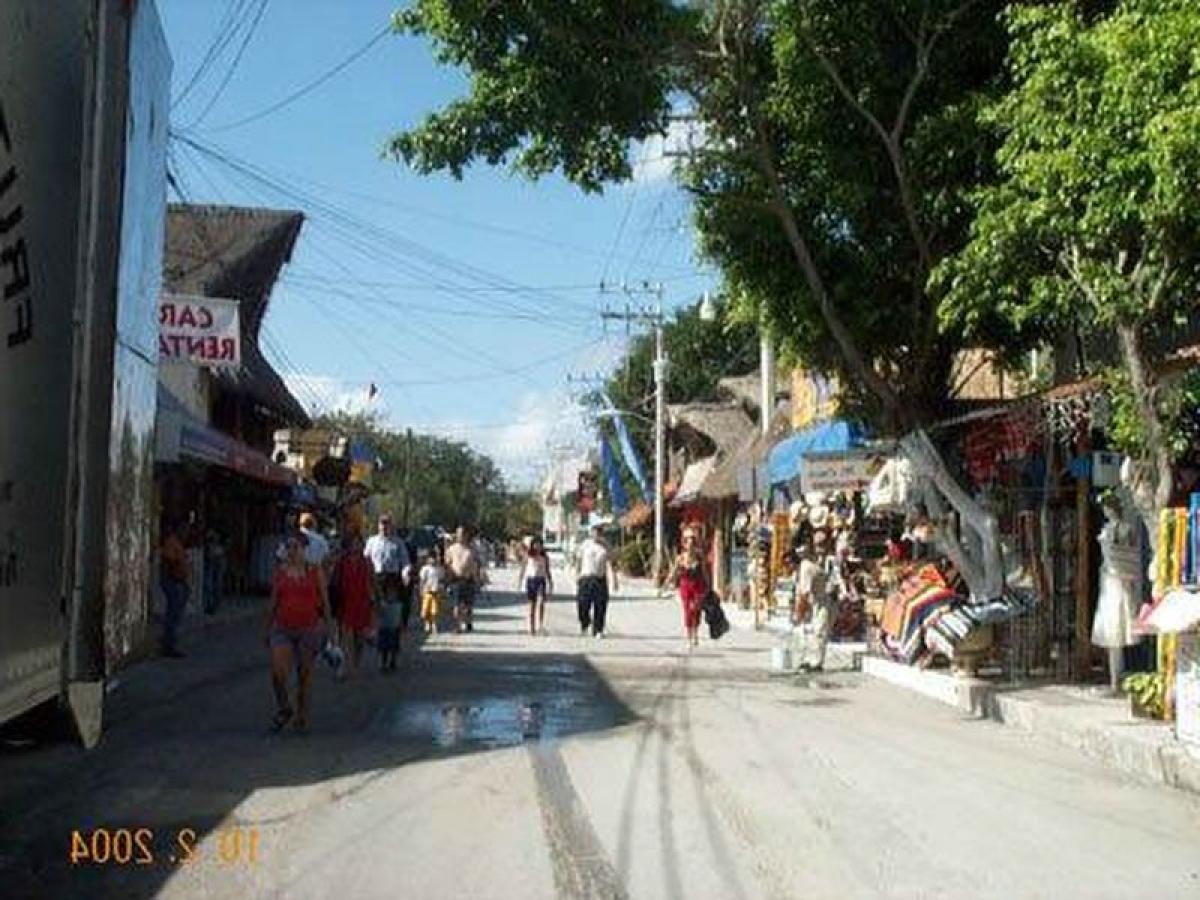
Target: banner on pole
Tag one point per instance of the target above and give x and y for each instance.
(202, 331)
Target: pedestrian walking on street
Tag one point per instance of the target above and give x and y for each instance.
(538, 582)
(214, 570)
(592, 590)
(391, 569)
(693, 587)
(813, 600)
(465, 575)
(432, 579)
(173, 579)
(299, 606)
(353, 577)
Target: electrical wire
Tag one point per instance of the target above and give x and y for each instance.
(237, 59)
(308, 87)
(224, 33)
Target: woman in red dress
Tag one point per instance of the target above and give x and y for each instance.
(693, 587)
(354, 577)
(294, 630)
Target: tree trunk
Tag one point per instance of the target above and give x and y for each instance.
(1153, 471)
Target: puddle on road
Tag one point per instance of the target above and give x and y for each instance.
(492, 722)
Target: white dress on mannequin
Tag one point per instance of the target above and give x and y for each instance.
(1120, 583)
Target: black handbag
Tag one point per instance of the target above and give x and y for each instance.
(714, 616)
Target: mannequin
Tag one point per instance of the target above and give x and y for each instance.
(1120, 584)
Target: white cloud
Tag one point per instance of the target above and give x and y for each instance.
(545, 422)
(657, 158)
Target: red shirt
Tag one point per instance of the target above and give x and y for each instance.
(299, 598)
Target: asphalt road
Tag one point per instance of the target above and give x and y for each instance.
(501, 765)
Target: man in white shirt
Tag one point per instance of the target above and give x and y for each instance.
(464, 574)
(389, 563)
(595, 572)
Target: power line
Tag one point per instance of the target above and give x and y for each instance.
(216, 47)
(362, 234)
(237, 59)
(307, 88)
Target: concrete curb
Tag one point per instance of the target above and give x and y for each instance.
(1100, 730)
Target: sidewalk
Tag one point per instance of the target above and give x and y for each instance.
(1097, 726)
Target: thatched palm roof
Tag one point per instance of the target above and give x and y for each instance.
(724, 425)
(722, 482)
(236, 253)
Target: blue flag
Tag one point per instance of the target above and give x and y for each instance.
(632, 461)
(616, 490)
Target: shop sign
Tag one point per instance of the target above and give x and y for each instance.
(203, 331)
(839, 472)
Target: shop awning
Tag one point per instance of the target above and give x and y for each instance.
(179, 435)
(785, 458)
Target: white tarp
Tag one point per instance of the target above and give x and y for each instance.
(693, 478)
(202, 331)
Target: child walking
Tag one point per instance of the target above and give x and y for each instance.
(433, 579)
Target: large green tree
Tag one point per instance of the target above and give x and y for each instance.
(1095, 223)
(837, 143)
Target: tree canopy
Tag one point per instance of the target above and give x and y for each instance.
(839, 140)
(1093, 223)
(450, 483)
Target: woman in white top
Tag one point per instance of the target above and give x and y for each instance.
(535, 575)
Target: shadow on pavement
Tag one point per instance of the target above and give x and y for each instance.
(193, 759)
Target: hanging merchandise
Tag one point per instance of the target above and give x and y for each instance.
(1120, 578)
(889, 491)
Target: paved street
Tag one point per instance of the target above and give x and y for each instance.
(499, 765)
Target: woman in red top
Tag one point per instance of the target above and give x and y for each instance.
(299, 604)
(354, 577)
(693, 587)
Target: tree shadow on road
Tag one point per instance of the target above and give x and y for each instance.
(188, 764)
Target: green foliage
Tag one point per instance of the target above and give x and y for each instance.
(554, 85)
(1178, 408)
(633, 558)
(1148, 690)
(1095, 220)
(450, 484)
(867, 111)
(827, 76)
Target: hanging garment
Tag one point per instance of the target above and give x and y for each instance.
(1120, 586)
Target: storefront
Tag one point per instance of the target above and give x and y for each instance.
(221, 490)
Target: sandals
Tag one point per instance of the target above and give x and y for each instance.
(281, 718)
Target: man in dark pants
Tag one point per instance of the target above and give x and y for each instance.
(595, 570)
(173, 578)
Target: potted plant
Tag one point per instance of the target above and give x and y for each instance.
(1147, 694)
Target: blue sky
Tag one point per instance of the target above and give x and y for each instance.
(467, 303)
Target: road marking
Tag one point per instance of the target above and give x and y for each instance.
(582, 870)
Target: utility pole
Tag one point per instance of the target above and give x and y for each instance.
(408, 459)
(654, 317)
